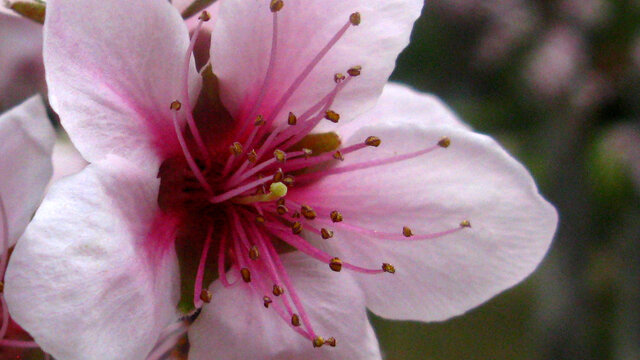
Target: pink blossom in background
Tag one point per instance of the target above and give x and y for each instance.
(308, 192)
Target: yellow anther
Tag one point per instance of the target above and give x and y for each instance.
(260, 219)
(318, 341)
(331, 342)
(338, 78)
(252, 156)
(355, 19)
(292, 119)
(204, 16)
(296, 228)
(332, 116)
(281, 210)
(465, 224)
(281, 201)
(235, 148)
(335, 216)
(175, 105)
(276, 191)
(444, 142)
(206, 295)
(278, 176)
(326, 234)
(246, 275)
(406, 231)
(277, 290)
(267, 301)
(295, 320)
(335, 264)
(386, 267)
(276, 5)
(373, 141)
(254, 254)
(280, 155)
(355, 70)
(288, 180)
(259, 121)
(308, 212)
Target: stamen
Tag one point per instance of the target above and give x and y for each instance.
(444, 142)
(292, 119)
(280, 155)
(331, 342)
(386, 267)
(197, 288)
(338, 155)
(308, 212)
(259, 121)
(338, 78)
(277, 290)
(406, 231)
(318, 341)
(336, 216)
(393, 235)
(295, 320)
(276, 5)
(267, 301)
(246, 275)
(254, 254)
(222, 250)
(373, 141)
(335, 264)
(332, 116)
(355, 70)
(355, 19)
(326, 234)
(235, 148)
(281, 210)
(206, 296)
(237, 191)
(296, 228)
(276, 191)
(297, 164)
(465, 224)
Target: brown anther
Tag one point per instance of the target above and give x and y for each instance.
(296, 228)
(406, 231)
(236, 148)
(465, 224)
(331, 342)
(292, 119)
(259, 121)
(260, 219)
(355, 70)
(280, 202)
(295, 320)
(335, 216)
(278, 176)
(254, 254)
(280, 155)
(354, 19)
(276, 5)
(281, 210)
(326, 234)
(267, 301)
(335, 264)
(246, 275)
(175, 105)
(373, 141)
(206, 295)
(307, 153)
(338, 78)
(318, 341)
(204, 16)
(338, 155)
(296, 215)
(386, 267)
(308, 212)
(332, 116)
(1, 287)
(277, 290)
(444, 142)
(288, 180)
(252, 156)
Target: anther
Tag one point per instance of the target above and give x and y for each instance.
(338, 78)
(260, 219)
(296, 228)
(386, 267)
(406, 231)
(307, 153)
(318, 341)
(338, 155)
(246, 275)
(296, 215)
(373, 141)
(267, 301)
(277, 290)
(354, 71)
(259, 121)
(280, 201)
(295, 320)
(204, 16)
(354, 19)
(335, 216)
(280, 155)
(206, 295)
(252, 156)
(308, 212)
(254, 254)
(444, 142)
(276, 5)
(175, 105)
(332, 116)
(278, 176)
(326, 234)
(288, 180)
(465, 224)
(236, 148)
(335, 264)
(281, 210)
(292, 119)
(1, 287)
(331, 342)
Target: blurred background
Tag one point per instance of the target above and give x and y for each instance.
(557, 82)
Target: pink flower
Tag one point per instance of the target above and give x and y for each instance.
(26, 142)
(290, 247)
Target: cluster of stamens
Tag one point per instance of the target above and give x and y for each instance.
(249, 189)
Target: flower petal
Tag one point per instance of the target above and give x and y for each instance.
(400, 104)
(241, 47)
(113, 71)
(26, 143)
(237, 326)
(474, 179)
(82, 280)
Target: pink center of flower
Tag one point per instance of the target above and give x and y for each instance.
(233, 205)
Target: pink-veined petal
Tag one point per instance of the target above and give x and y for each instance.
(474, 179)
(241, 47)
(236, 325)
(82, 280)
(113, 71)
(26, 143)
